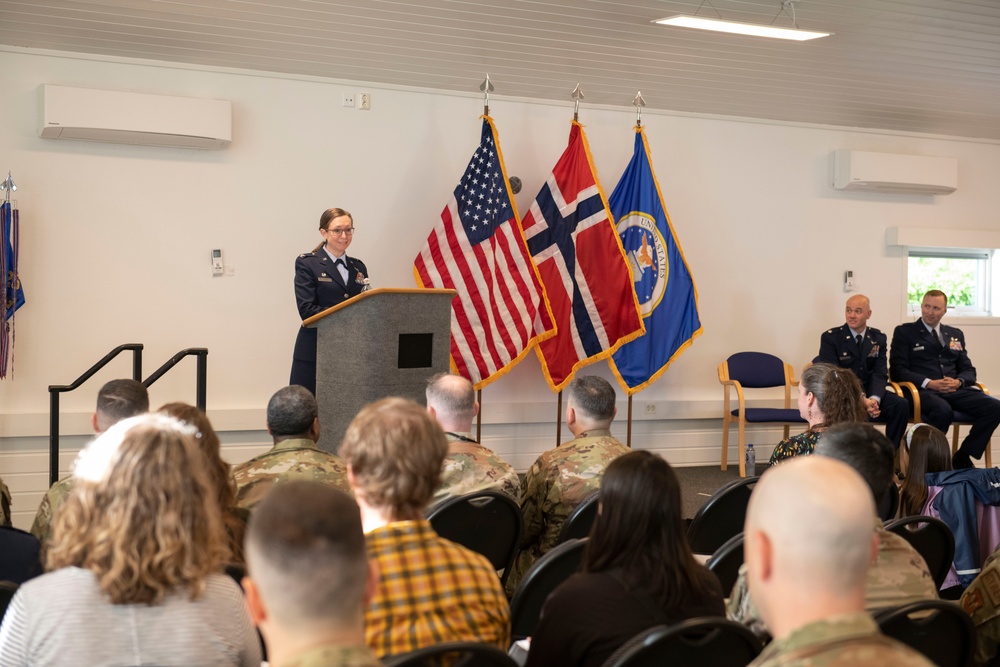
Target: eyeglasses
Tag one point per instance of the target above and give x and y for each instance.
(336, 231)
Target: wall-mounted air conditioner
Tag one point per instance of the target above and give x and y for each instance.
(896, 174)
(120, 117)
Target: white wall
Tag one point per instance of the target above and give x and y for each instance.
(116, 240)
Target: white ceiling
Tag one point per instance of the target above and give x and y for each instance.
(930, 66)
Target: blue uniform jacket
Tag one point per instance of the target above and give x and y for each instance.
(837, 347)
(956, 505)
(916, 356)
(318, 286)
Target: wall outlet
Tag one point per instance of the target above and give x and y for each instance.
(348, 100)
(365, 101)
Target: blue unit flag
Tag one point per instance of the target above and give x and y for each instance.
(663, 284)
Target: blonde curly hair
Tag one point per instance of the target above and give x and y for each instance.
(142, 516)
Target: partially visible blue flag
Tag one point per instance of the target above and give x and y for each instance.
(663, 283)
(11, 293)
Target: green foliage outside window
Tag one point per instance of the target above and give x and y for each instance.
(956, 277)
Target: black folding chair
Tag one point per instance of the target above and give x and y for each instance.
(452, 654)
(888, 506)
(7, 590)
(932, 538)
(726, 561)
(697, 642)
(487, 522)
(721, 518)
(20, 555)
(945, 635)
(580, 520)
(541, 579)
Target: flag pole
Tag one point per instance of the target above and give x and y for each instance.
(487, 88)
(479, 416)
(628, 439)
(558, 418)
(577, 95)
(638, 103)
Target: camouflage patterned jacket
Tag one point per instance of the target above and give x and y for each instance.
(53, 500)
(981, 601)
(470, 467)
(899, 576)
(555, 484)
(333, 656)
(289, 459)
(847, 640)
(4, 504)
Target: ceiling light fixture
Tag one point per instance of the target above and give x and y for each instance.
(740, 28)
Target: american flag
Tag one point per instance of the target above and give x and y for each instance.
(583, 267)
(478, 248)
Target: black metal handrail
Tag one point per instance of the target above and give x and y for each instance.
(201, 379)
(201, 385)
(55, 390)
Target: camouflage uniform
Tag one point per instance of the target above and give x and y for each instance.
(981, 601)
(847, 640)
(53, 500)
(557, 482)
(470, 467)
(898, 576)
(294, 458)
(333, 656)
(4, 504)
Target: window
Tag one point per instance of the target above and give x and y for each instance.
(966, 276)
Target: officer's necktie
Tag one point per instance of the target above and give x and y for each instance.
(341, 269)
(858, 340)
(938, 337)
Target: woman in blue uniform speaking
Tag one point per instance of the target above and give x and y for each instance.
(323, 278)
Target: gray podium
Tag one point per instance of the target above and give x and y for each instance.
(383, 342)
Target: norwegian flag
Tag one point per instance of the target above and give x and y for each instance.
(478, 248)
(586, 275)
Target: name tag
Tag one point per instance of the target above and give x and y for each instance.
(325, 280)
(918, 348)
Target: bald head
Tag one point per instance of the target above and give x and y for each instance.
(452, 400)
(809, 541)
(858, 311)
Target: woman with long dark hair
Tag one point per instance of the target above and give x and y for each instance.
(638, 570)
(926, 450)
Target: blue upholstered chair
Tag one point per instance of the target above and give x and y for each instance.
(754, 370)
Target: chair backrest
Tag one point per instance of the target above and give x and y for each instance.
(580, 520)
(7, 590)
(888, 506)
(946, 636)
(932, 538)
(697, 642)
(453, 654)
(20, 555)
(541, 579)
(721, 517)
(487, 522)
(757, 369)
(726, 561)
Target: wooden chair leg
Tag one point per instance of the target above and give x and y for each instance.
(743, 450)
(954, 438)
(725, 442)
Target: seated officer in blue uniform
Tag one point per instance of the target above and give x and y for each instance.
(864, 350)
(934, 358)
(323, 278)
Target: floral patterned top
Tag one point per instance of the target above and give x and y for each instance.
(802, 444)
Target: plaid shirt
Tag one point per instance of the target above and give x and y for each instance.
(431, 591)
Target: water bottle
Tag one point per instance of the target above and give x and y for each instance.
(751, 461)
